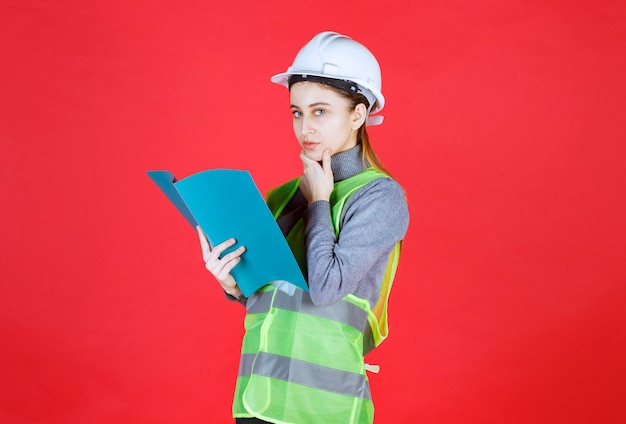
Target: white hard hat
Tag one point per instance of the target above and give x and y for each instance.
(334, 56)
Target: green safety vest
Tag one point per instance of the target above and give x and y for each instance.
(302, 363)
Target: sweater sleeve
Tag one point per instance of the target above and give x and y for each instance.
(373, 220)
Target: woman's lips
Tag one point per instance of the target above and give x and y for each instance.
(309, 145)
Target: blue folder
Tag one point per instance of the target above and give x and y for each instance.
(226, 203)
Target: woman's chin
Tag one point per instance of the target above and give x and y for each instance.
(313, 155)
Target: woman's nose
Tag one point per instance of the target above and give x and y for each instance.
(307, 126)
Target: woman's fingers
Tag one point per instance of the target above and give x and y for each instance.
(204, 243)
(234, 254)
(213, 253)
(216, 253)
(326, 162)
(211, 256)
(225, 267)
(221, 267)
(316, 182)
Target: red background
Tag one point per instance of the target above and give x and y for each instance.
(504, 122)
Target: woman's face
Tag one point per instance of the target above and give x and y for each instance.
(322, 119)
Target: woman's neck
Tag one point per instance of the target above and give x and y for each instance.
(348, 163)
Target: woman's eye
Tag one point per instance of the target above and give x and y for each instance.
(296, 114)
(319, 112)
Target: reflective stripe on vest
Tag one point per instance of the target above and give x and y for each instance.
(304, 373)
(341, 311)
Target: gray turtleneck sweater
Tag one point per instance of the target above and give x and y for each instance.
(372, 221)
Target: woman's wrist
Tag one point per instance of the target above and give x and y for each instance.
(236, 295)
(233, 291)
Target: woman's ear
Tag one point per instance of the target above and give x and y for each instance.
(358, 116)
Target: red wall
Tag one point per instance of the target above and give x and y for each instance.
(505, 123)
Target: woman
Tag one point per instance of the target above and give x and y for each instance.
(344, 219)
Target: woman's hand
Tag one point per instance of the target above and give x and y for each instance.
(221, 267)
(317, 180)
